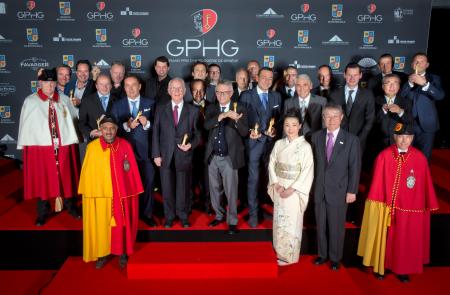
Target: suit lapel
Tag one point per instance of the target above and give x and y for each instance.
(184, 113)
(169, 114)
(258, 104)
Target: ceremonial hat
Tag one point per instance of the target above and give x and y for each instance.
(108, 119)
(404, 128)
(47, 75)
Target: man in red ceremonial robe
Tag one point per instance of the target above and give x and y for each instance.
(110, 184)
(395, 233)
(50, 149)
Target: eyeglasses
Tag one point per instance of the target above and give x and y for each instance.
(222, 93)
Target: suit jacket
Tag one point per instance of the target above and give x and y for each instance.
(118, 92)
(362, 116)
(234, 134)
(375, 82)
(313, 115)
(138, 137)
(334, 179)
(257, 113)
(91, 109)
(282, 91)
(90, 88)
(386, 122)
(423, 106)
(158, 89)
(317, 91)
(210, 93)
(236, 96)
(166, 135)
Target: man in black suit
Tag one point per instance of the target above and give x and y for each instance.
(310, 106)
(199, 70)
(156, 87)
(117, 73)
(390, 109)
(93, 106)
(134, 115)
(175, 121)
(327, 83)
(337, 160)
(386, 66)
(358, 104)
(287, 87)
(263, 106)
(423, 89)
(240, 85)
(82, 86)
(227, 125)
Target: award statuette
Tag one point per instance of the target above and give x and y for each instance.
(137, 116)
(416, 68)
(271, 123)
(185, 138)
(99, 120)
(235, 107)
(256, 128)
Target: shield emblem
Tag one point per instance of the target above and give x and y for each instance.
(136, 61)
(269, 61)
(5, 112)
(270, 33)
(101, 5)
(204, 20)
(100, 35)
(369, 37)
(2, 61)
(32, 35)
(136, 32)
(371, 8)
(303, 36)
(304, 7)
(64, 8)
(336, 10)
(335, 62)
(34, 86)
(399, 62)
(68, 60)
(31, 5)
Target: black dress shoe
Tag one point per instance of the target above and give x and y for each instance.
(123, 260)
(253, 222)
(403, 278)
(41, 220)
(319, 260)
(149, 221)
(185, 223)
(215, 222)
(101, 261)
(75, 213)
(379, 276)
(335, 265)
(232, 230)
(168, 223)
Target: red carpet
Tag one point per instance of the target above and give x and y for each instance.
(203, 260)
(24, 282)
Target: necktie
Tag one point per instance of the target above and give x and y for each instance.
(222, 109)
(290, 92)
(264, 99)
(348, 107)
(324, 93)
(330, 145)
(303, 108)
(104, 104)
(134, 109)
(389, 101)
(175, 115)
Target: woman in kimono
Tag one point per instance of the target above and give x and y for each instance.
(291, 172)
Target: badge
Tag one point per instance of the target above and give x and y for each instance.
(126, 164)
(64, 112)
(411, 180)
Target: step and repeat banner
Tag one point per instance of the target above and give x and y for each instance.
(35, 34)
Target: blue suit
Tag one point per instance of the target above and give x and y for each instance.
(70, 86)
(424, 111)
(259, 149)
(140, 141)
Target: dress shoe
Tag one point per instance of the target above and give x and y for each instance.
(253, 222)
(403, 278)
(41, 220)
(379, 276)
(215, 222)
(75, 213)
(168, 223)
(335, 265)
(149, 221)
(232, 230)
(185, 223)
(319, 260)
(101, 261)
(123, 260)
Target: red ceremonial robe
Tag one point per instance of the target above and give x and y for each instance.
(408, 236)
(127, 186)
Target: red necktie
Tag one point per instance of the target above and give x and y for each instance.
(175, 115)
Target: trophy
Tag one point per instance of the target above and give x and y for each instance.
(185, 138)
(271, 123)
(416, 68)
(256, 128)
(235, 107)
(137, 117)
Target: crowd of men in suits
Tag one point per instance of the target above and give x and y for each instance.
(198, 134)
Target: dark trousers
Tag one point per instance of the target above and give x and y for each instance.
(424, 142)
(43, 206)
(146, 199)
(175, 190)
(332, 218)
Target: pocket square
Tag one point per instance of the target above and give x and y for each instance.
(277, 106)
(146, 110)
(341, 142)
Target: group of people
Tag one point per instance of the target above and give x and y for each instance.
(199, 135)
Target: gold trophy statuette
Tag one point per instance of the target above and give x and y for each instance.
(185, 138)
(256, 128)
(137, 116)
(416, 69)
(99, 120)
(235, 107)
(271, 123)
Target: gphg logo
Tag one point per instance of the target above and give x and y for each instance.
(177, 47)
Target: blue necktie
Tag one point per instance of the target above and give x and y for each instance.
(104, 104)
(264, 99)
(134, 109)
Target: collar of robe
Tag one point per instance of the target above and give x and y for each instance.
(43, 97)
(114, 146)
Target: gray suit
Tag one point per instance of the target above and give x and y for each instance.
(333, 180)
(312, 121)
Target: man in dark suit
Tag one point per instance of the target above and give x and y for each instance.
(117, 73)
(82, 86)
(358, 104)
(262, 106)
(199, 70)
(310, 106)
(134, 115)
(423, 89)
(175, 121)
(287, 87)
(327, 83)
(156, 87)
(93, 106)
(390, 109)
(240, 85)
(337, 161)
(386, 66)
(225, 153)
